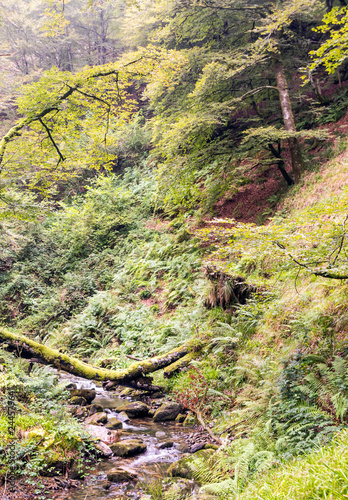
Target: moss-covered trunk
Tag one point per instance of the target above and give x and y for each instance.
(29, 349)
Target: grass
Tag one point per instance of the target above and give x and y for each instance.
(320, 475)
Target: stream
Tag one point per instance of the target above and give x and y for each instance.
(149, 465)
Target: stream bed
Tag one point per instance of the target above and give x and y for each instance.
(149, 465)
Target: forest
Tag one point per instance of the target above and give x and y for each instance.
(173, 249)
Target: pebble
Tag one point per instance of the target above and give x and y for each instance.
(160, 434)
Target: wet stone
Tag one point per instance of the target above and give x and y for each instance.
(167, 411)
(87, 394)
(197, 447)
(166, 444)
(78, 401)
(123, 417)
(160, 434)
(128, 448)
(103, 449)
(113, 423)
(94, 408)
(121, 473)
(135, 409)
(106, 435)
(97, 419)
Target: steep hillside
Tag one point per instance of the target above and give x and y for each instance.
(106, 279)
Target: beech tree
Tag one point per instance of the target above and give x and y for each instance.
(220, 105)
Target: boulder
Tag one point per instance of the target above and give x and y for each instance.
(128, 448)
(182, 447)
(121, 473)
(78, 401)
(113, 423)
(166, 444)
(107, 436)
(97, 419)
(197, 447)
(87, 394)
(94, 408)
(80, 412)
(167, 411)
(135, 409)
(103, 449)
(123, 417)
(71, 387)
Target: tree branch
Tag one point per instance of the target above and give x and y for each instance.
(255, 91)
(316, 272)
(61, 157)
(17, 129)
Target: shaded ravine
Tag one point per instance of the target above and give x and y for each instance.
(149, 465)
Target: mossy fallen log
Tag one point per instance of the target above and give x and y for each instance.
(26, 348)
(183, 362)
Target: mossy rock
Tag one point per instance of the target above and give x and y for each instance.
(180, 418)
(127, 391)
(87, 394)
(185, 467)
(94, 408)
(210, 446)
(167, 411)
(128, 448)
(121, 473)
(78, 401)
(166, 444)
(113, 423)
(97, 419)
(80, 412)
(135, 409)
(190, 420)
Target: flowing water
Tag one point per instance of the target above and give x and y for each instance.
(149, 465)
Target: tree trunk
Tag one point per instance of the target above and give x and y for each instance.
(29, 349)
(281, 164)
(288, 117)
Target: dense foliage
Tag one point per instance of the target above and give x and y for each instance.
(126, 228)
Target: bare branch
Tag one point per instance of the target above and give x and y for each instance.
(317, 272)
(61, 157)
